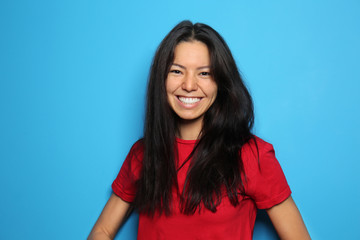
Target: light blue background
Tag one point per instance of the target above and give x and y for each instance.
(72, 87)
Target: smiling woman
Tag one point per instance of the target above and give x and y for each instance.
(199, 172)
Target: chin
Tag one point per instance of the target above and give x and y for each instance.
(189, 118)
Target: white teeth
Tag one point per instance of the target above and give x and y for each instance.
(186, 100)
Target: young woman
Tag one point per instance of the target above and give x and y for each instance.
(199, 172)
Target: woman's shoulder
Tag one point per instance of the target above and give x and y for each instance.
(138, 146)
(255, 147)
(264, 179)
(137, 150)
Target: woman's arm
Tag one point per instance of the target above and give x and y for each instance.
(287, 221)
(113, 214)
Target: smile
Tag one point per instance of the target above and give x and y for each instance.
(189, 100)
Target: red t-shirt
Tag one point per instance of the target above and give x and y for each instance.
(265, 186)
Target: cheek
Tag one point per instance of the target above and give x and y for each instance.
(169, 85)
(214, 97)
(169, 88)
(213, 90)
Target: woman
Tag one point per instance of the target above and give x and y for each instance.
(199, 173)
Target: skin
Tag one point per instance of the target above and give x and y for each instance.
(110, 220)
(287, 221)
(190, 77)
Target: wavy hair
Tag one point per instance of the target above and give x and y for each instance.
(216, 165)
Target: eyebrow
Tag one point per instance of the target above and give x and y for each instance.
(183, 67)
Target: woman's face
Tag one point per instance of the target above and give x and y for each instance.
(190, 87)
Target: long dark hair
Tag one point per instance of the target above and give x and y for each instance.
(216, 164)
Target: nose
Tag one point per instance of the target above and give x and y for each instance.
(190, 83)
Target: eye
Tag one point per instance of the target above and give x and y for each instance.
(175, 71)
(205, 73)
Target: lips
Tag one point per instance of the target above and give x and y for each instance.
(189, 100)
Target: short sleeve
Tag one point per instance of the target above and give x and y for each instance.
(124, 184)
(265, 180)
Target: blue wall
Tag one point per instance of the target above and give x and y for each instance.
(72, 87)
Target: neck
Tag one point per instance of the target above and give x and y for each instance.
(189, 129)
